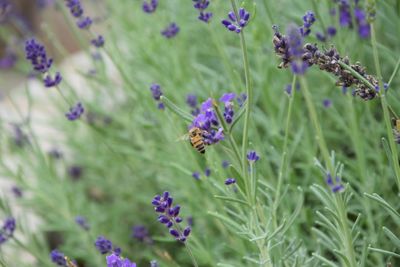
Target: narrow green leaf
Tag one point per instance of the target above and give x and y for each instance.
(395, 240)
(324, 260)
(178, 111)
(231, 199)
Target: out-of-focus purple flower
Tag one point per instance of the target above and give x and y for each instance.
(191, 100)
(75, 112)
(169, 216)
(190, 221)
(207, 172)
(98, 41)
(8, 60)
(364, 29)
(252, 157)
(19, 137)
(50, 81)
(75, 172)
(58, 258)
(161, 106)
(36, 53)
(227, 99)
(5, 10)
(386, 86)
(170, 31)
(44, 3)
(308, 21)
(84, 22)
(196, 175)
(141, 233)
(55, 153)
(288, 89)
(82, 222)
(235, 24)
(344, 14)
(230, 181)
(202, 5)
(320, 36)
(241, 99)
(7, 230)
(16, 191)
(295, 50)
(327, 103)
(156, 91)
(336, 186)
(225, 164)
(331, 31)
(150, 7)
(103, 245)
(115, 260)
(75, 7)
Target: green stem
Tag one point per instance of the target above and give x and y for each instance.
(348, 244)
(356, 74)
(284, 153)
(249, 92)
(396, 69)
(384, 104)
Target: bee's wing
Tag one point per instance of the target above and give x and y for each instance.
(184, 137)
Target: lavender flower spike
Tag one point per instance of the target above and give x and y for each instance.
(58, 258)
(98, 42)
(75, 112)
(252, 157)
(227, 99)
(169, 216)
(36, 53)
(114, 260)
(103, 245)
(170, 31)
(237, 24)
(150, 7)
(75, 8)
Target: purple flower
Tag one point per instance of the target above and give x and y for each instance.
(320, 36)
(308, 20)
(344, 14)
(202, 5)
(103, 245)
(170, 31)
(98, 42)
(75, 7)
(225, 164)
(156, 91)
(58, 258)
(327, 103)
(8, 60)
(82, 222)
(288, 89)
(252, 156)
(7, 230)
(207, 172)
(196, 175)
(19, 137)
(52, 82)
(75, 112)
(364, 29)
(84, 23)
(227, 99)
(16, 191)
(55, 153)
(141, 233)
(150, 7)
(241, 99)
(36, 53)
(230, 181)
(191, 100)
(336, 186)
(331, 31)
(295, 50)
(114, 260)
(169, 216)
(237, 24)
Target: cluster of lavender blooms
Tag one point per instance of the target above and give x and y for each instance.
(292, 52)
(9, 58)
(115, 260)
(104, 246)
(330, 32)
(169, 216)
(83, 22)
(236, 24)
(191, 100)
(308, 21)
(346, 18)
(7, 230)
(202, 5)
(335, 186)
(75, 112)
(141, 233)
(196, 175)
(36, 53)
(150, 7)
(170, 31)
(207, 121)
(157, 93)
(82, 222)
(60, 259)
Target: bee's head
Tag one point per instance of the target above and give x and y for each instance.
(194, 132)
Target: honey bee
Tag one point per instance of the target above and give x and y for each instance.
(196, 139)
